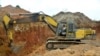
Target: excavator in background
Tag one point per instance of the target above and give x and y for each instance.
(66, 32)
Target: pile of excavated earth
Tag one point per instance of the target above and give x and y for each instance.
(30, 38)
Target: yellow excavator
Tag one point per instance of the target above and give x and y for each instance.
(66, 32)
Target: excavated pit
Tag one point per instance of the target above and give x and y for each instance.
(29, 36)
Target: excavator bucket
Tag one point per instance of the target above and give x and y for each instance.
(6, 20)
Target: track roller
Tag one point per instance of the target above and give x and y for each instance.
(50, 45)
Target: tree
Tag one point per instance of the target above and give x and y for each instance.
(17, 6)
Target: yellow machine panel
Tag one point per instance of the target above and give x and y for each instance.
(89, 31)
(80, 33)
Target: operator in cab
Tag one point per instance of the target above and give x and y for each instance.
(63, 31)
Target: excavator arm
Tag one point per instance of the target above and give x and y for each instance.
(50, 22)
(8, 27)
(8, 22)
(36, 17)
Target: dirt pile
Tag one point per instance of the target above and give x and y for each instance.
(77, 50)
(14, 11)
(80, 19)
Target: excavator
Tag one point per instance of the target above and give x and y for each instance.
(66, 33)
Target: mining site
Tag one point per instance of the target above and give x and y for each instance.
(24, 34)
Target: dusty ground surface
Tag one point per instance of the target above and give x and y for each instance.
(77, 50)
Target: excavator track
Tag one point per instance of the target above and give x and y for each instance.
(61, 44)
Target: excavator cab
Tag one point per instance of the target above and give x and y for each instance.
(61, 29)
(66, 29)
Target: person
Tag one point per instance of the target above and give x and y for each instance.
(63, 31)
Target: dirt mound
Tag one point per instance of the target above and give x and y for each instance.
(11, 9)
(80, 19)
(14, 11)
(77, 50)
